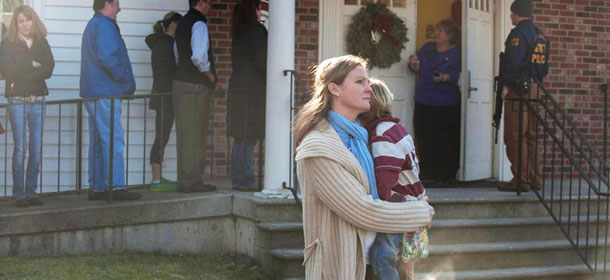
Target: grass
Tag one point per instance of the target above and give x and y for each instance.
(128, 266)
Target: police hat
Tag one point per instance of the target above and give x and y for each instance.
(522, 8)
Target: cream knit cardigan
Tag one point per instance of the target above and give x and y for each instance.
(337, 208)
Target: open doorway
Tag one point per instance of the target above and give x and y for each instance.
(430, 12)
(437, 126)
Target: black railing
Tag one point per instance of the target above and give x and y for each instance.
(293, 185)
(569, 176)
(62, 170)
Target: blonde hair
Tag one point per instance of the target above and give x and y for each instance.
(381, 99)
(332, 70)
(38, 29)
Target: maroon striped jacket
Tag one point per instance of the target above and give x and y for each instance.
(396, 164)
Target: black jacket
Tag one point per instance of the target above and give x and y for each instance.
(185, 70)
(247, 86)
(163, 62)
(22, 79)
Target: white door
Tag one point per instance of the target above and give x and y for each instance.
(478, 91)
(397, 77)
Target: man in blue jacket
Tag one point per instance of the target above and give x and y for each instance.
(105, 71)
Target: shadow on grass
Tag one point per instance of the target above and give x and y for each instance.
(129, 266)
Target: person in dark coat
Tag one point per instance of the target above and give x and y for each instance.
(163, 62)
(247, 86)
(26, 62)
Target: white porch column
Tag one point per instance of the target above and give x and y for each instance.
(280, 57)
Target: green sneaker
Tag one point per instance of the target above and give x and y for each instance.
(163, 180)
(164, 187)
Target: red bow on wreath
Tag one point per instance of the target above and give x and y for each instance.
(382, 22)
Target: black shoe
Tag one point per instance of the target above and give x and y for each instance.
(98, 195)
(35, 201)
(22, 203)
(512, 188)
(125, 195)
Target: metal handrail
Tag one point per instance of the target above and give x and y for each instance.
(78, 115)
(583, 159)
(292, 186)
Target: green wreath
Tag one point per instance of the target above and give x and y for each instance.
(376, 33)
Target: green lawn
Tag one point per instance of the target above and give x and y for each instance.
(128, 266)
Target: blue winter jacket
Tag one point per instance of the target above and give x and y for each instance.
(105, 67)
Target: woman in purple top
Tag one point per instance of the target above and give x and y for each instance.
(437, 103)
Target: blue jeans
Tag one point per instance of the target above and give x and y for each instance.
(22, 116)
(242, 152)
(383, 255)
(99, 145)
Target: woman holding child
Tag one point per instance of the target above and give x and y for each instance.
(341, 206)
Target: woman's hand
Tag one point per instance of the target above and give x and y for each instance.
(36, 64)
(431, 211)
(505, 92)
(210, 76)
(414, 63)
(441, 77)
(430, 208)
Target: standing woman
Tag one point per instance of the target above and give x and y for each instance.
(247, 91)
(341, 209)
(437, 103)
(26, 62)
(163, 62)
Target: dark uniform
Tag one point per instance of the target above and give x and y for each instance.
(515, 67)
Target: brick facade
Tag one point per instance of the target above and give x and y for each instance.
(306, 55)
(579, 31)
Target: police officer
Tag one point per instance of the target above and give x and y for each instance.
(515, 69)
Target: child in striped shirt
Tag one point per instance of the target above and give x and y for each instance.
(396, 172)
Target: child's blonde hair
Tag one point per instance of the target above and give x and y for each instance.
(381, 99)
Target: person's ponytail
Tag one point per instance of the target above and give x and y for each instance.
(158, 27)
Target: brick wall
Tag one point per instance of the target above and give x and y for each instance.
(579, 31)
(306, 55)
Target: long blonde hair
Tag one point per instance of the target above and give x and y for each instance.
(38, 29)
(332, 70)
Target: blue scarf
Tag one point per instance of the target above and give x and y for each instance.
(355, 138)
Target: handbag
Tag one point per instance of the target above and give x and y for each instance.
(414, 245)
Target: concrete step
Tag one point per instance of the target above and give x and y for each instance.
(509, 207)
(266, 210)
(283, 235)
(559, 272)
(288, 263)
(486, 230)
(502, 255)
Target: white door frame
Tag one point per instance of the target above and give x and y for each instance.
(502, 27)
